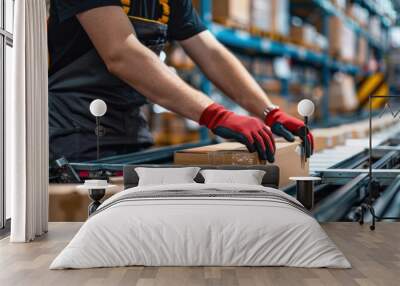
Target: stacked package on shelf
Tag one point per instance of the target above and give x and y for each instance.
(375, 28)
(341, 4)
(235, 13)
(271, 86)
(342, 93)
(302, 33)
(342, 40)
(170, 129)
(358, 13)
(179, 59)
(270, 16)
(321, 42)
(262, 67)
(307, 35)
(362, 51)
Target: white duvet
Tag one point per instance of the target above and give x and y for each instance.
(201, 231)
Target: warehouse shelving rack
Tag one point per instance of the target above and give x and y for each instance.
(244, 42)
(374, 9)
(329, 9)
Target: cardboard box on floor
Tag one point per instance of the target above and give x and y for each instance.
(232, 153)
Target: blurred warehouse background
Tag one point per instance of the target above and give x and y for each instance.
(335, 53)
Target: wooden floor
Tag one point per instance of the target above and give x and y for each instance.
(375, 257)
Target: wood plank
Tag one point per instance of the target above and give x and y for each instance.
(375, 257)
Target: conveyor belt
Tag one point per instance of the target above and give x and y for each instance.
(330, 158)
(67, 172)
(344, 173)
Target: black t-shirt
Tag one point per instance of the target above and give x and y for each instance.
(67, 40)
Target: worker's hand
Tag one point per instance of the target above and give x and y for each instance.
(247, 130)
(287, 126)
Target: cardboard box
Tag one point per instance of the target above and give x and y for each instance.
(298, 33)
(342, 94)
(232, 153)
(67, 203)
(228, 153)
(341, 4)
(262, 67)
(307, 35)
(235, 12)
(272, 86)
(327, 138)
(171, 129)
(178, 58)
(342, 40)
(270, 16)
(360, 129)
(374, 28)
(358, 13)
(288, 160)
(362, 52)
(303, 33)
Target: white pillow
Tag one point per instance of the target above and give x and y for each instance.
(246, 177)
(166, 176)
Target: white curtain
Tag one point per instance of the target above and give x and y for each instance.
(26, 124)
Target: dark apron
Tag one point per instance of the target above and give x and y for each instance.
(74, 87)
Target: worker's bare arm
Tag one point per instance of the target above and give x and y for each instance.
(226, 72)
(114, 38)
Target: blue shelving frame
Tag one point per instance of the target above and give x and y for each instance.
(329, 9)
(373, 8)
(246, 42)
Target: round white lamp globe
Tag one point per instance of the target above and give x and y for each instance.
(306, 108)
(98, 107)
(163, 56)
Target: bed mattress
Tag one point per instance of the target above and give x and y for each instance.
(201, 225)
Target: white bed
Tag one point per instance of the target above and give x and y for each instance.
(201, 225)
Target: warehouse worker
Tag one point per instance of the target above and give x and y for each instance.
(109, 49)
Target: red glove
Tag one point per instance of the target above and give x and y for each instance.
(247, 130)
(287, 126)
